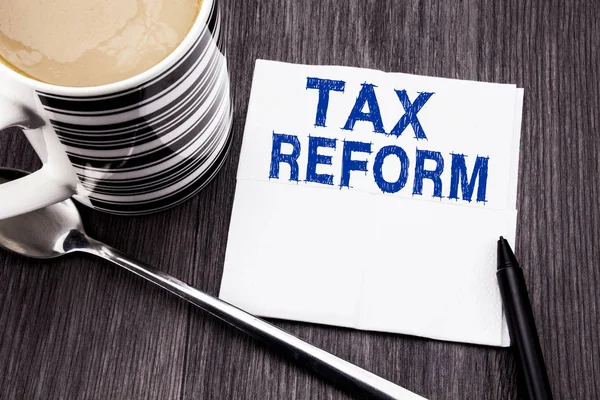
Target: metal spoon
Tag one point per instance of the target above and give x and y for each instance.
(57, 230)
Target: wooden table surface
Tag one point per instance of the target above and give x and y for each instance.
(79, 328)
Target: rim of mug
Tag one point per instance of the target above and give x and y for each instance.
(126, 84)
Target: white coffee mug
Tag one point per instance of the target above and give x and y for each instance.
(133, 147)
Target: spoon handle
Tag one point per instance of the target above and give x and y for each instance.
(348, 376)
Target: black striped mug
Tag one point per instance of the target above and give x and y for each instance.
(133, 147)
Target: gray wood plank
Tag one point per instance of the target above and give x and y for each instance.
(79, 328)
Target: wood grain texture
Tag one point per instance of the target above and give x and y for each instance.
(78, 328)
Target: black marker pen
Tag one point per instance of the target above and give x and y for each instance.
(521, 325)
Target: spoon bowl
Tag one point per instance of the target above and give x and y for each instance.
(40, 233)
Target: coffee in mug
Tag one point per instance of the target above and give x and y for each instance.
(91, 42)
(127, 102)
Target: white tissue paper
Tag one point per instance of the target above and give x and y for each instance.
(374, 201)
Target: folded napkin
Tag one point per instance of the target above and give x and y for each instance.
(374, 201)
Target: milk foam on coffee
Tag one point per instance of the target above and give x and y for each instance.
(91, 42)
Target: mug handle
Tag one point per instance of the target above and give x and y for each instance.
(34, 191)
